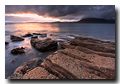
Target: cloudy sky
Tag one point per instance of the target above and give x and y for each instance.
(63, 12)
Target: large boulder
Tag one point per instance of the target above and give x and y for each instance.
(44, 45)
(16, 38)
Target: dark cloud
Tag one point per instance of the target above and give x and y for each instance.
(65, 11)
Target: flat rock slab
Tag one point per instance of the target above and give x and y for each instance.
(101, 47)
(89, 51)
(39, 73)
(94, 58)
(67, 45)
(98, 63)
(70, 67)
(44, 45)
(86, 50)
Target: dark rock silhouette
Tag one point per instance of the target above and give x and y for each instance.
(96, 20)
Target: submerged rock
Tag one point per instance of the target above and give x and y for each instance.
(13, 60)
(44, 45)
(16, 38)
(18, 51)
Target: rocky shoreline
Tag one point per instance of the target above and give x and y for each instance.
(80, 58)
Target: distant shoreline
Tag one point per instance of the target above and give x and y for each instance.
(53, 22)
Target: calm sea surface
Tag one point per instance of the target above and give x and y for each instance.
(60, 31)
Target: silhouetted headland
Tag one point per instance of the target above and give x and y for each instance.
(91, 20)
(96, 20)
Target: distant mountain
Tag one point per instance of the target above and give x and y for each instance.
(96, 20)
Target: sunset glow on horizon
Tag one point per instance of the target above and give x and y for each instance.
(38, 18)
(33, 17)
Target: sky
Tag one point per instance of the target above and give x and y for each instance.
(51, 13)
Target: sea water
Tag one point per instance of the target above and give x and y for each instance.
(55, 31)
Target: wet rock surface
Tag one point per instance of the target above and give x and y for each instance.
(81, 58)
(44, 45)
(16, 38)
(28, 35)
(18, 50)
(25, 68)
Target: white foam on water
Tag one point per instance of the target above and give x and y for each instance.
(71, 37)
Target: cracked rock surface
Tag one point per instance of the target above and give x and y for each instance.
(81, 58)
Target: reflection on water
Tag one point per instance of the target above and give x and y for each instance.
(30, 51)
(35, 27)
